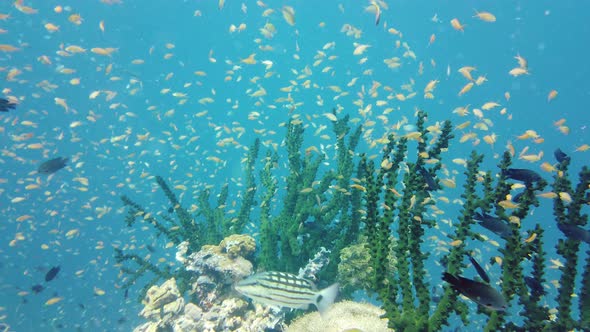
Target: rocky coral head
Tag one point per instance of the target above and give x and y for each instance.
(238, 245)
(226, 262)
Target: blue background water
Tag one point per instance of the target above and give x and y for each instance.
(550, 35)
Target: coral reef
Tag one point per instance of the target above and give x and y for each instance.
(342, 316)
(216, 268)
(405, 294)
(166, 311)
(375, 229)
(354, 270)
(213, 306)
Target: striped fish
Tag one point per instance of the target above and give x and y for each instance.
(286, 290)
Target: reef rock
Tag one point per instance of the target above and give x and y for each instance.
(167, 312)
(343, 316)
(162, 303)
(238, 245)
(226, 262)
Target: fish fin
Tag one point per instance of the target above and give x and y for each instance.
(326, 297)
(451, 279)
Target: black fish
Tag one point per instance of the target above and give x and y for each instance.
(561, 156)
(37, 288)
(536, 288)
(521, 174)
(482, 273)
(430, 182)
(516, 198)
(53, 165)
(51, 274)
(6, 105)
(494, 224)
(575, 232)
(126, 293)
(478, 292)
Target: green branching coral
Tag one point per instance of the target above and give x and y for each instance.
(182, 228)
(570, 215)
(405, 294)
(379, 214)
(315, 211)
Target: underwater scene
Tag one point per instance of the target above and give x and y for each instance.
(340, 166)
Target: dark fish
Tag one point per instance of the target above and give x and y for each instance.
(524, 175)
(494, 224)
(575, 232)
(51, 274)
(516, 198)
(6, 105)
(126, 293)
(53, 165)
(536, 288)
(121, 320)
(482, 273)
(430, 182)
(478, 292)
(150, 248)
(561, 156)
(37, 288)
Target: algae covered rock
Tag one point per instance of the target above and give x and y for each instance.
(354, 270)
(224, 263)
(343, 317)
(162, 302)
(238, 245)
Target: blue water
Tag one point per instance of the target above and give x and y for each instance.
(551, 36)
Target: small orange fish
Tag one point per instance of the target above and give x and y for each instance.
(485, 16)
(457, 25)
(552, 94)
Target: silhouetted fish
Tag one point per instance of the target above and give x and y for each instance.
(561, 156)
(430, 182)
(6, 105)
(53, 165)
(575, 232)
(524, 175)
(494, 224)
(51, 274)
(37, 288)
(478, 292)
(516, 198)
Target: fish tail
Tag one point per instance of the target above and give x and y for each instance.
(451, 279)
(326, 297)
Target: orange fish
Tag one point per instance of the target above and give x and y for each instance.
(457, 25)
